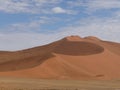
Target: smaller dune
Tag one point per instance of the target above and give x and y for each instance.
(92, 38)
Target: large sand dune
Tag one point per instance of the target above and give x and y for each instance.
(70, 58)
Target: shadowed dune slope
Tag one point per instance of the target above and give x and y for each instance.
(72, 57)
(78, 48)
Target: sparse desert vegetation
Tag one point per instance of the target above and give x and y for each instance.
(40, 84)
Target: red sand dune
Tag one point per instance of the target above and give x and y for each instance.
(70, 58)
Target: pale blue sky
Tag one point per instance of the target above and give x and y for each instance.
(27, 21)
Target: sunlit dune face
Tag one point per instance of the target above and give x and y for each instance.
(78, 48)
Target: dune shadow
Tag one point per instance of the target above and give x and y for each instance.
(78, 48)
(25, 63)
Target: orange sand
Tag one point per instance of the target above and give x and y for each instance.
(70, 58)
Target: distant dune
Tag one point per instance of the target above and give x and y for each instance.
(72, 57)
